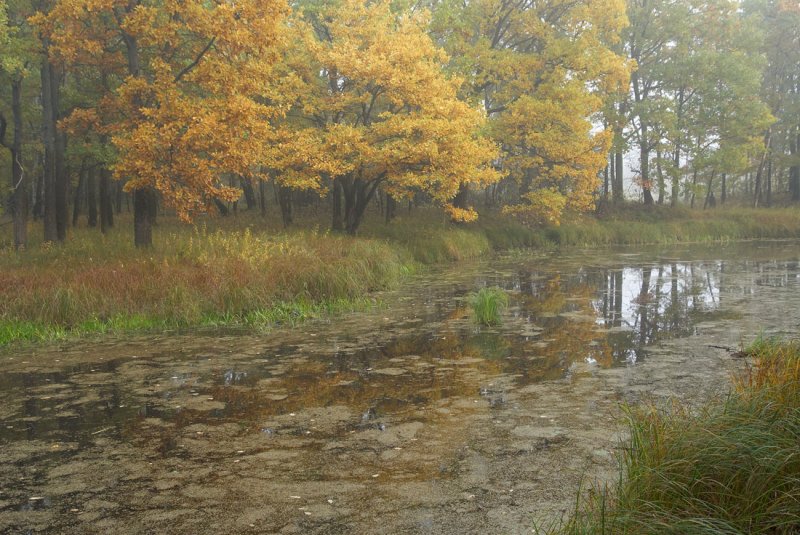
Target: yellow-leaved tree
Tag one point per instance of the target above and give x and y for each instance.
(191, 91)
(541, 70)
(378, 111)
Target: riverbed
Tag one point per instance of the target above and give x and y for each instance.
(406, 418)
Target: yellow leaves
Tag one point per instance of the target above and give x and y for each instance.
(79, 121)
(460, 214)
(542, 70)
(389, 112)
(194, 113)
(141, 21)
(545, 205)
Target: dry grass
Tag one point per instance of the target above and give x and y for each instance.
(193, 277)
(244, 270)
(730, 467)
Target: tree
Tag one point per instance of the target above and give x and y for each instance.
(780, 20)
(541, 71)
(189, 96)
(14, 60)
(694, 93)
(657, 38)
(378, 112)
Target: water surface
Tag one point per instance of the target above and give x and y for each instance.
(406, 418)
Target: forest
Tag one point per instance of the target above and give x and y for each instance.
(400, 266)
(533, 108)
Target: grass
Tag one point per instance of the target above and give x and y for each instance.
(730, 467)
(663, 226)
(195, 277)
(487, 304)
(245, 271)
(431, 240)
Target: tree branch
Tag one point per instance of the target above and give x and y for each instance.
(193, 64)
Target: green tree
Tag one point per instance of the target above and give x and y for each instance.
(541, 71)
(780, 20)
(15, 59)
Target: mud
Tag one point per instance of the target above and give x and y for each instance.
(404, 419)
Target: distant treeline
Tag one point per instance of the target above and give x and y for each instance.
(522, 105)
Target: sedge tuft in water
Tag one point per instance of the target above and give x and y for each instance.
(488, 304)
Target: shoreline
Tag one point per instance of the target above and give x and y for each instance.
(252, 280)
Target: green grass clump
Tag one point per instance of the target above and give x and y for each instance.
(730, 467)
(487, 305)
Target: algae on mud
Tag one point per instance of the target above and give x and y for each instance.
(404, 419)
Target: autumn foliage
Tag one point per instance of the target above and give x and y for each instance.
(190, 88)
(194, 105)
(377, 110)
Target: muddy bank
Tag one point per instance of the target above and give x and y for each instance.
(405, 419)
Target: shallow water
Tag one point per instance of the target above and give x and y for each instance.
(407, 418)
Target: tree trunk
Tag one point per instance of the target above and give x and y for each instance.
(337, 224)
(709, 201)
(662, 186)
(79, 193)
(18, 198)
(676, 179)
(249, 193)
(794, 170)
(391, 206)
(619, 177)
(724, 194)
(142, 216)
(769, 181)
(612, 170)
(461, 199)
(60, 147)
(91, 195)
(644, 163)
(222, 208)
(62, 185)
(357, 195)
(285, 202)
(757, 186)
(49, 134)
(142, 228)
(118, 192)
(106, 211)
(262, 197)
(38, 194)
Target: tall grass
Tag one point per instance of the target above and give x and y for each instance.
(431, 240)
(232, 270)
(487, 304)
(730, 467)
(194, 277)
(661, 226)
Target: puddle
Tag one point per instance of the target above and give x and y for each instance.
(405, 419)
